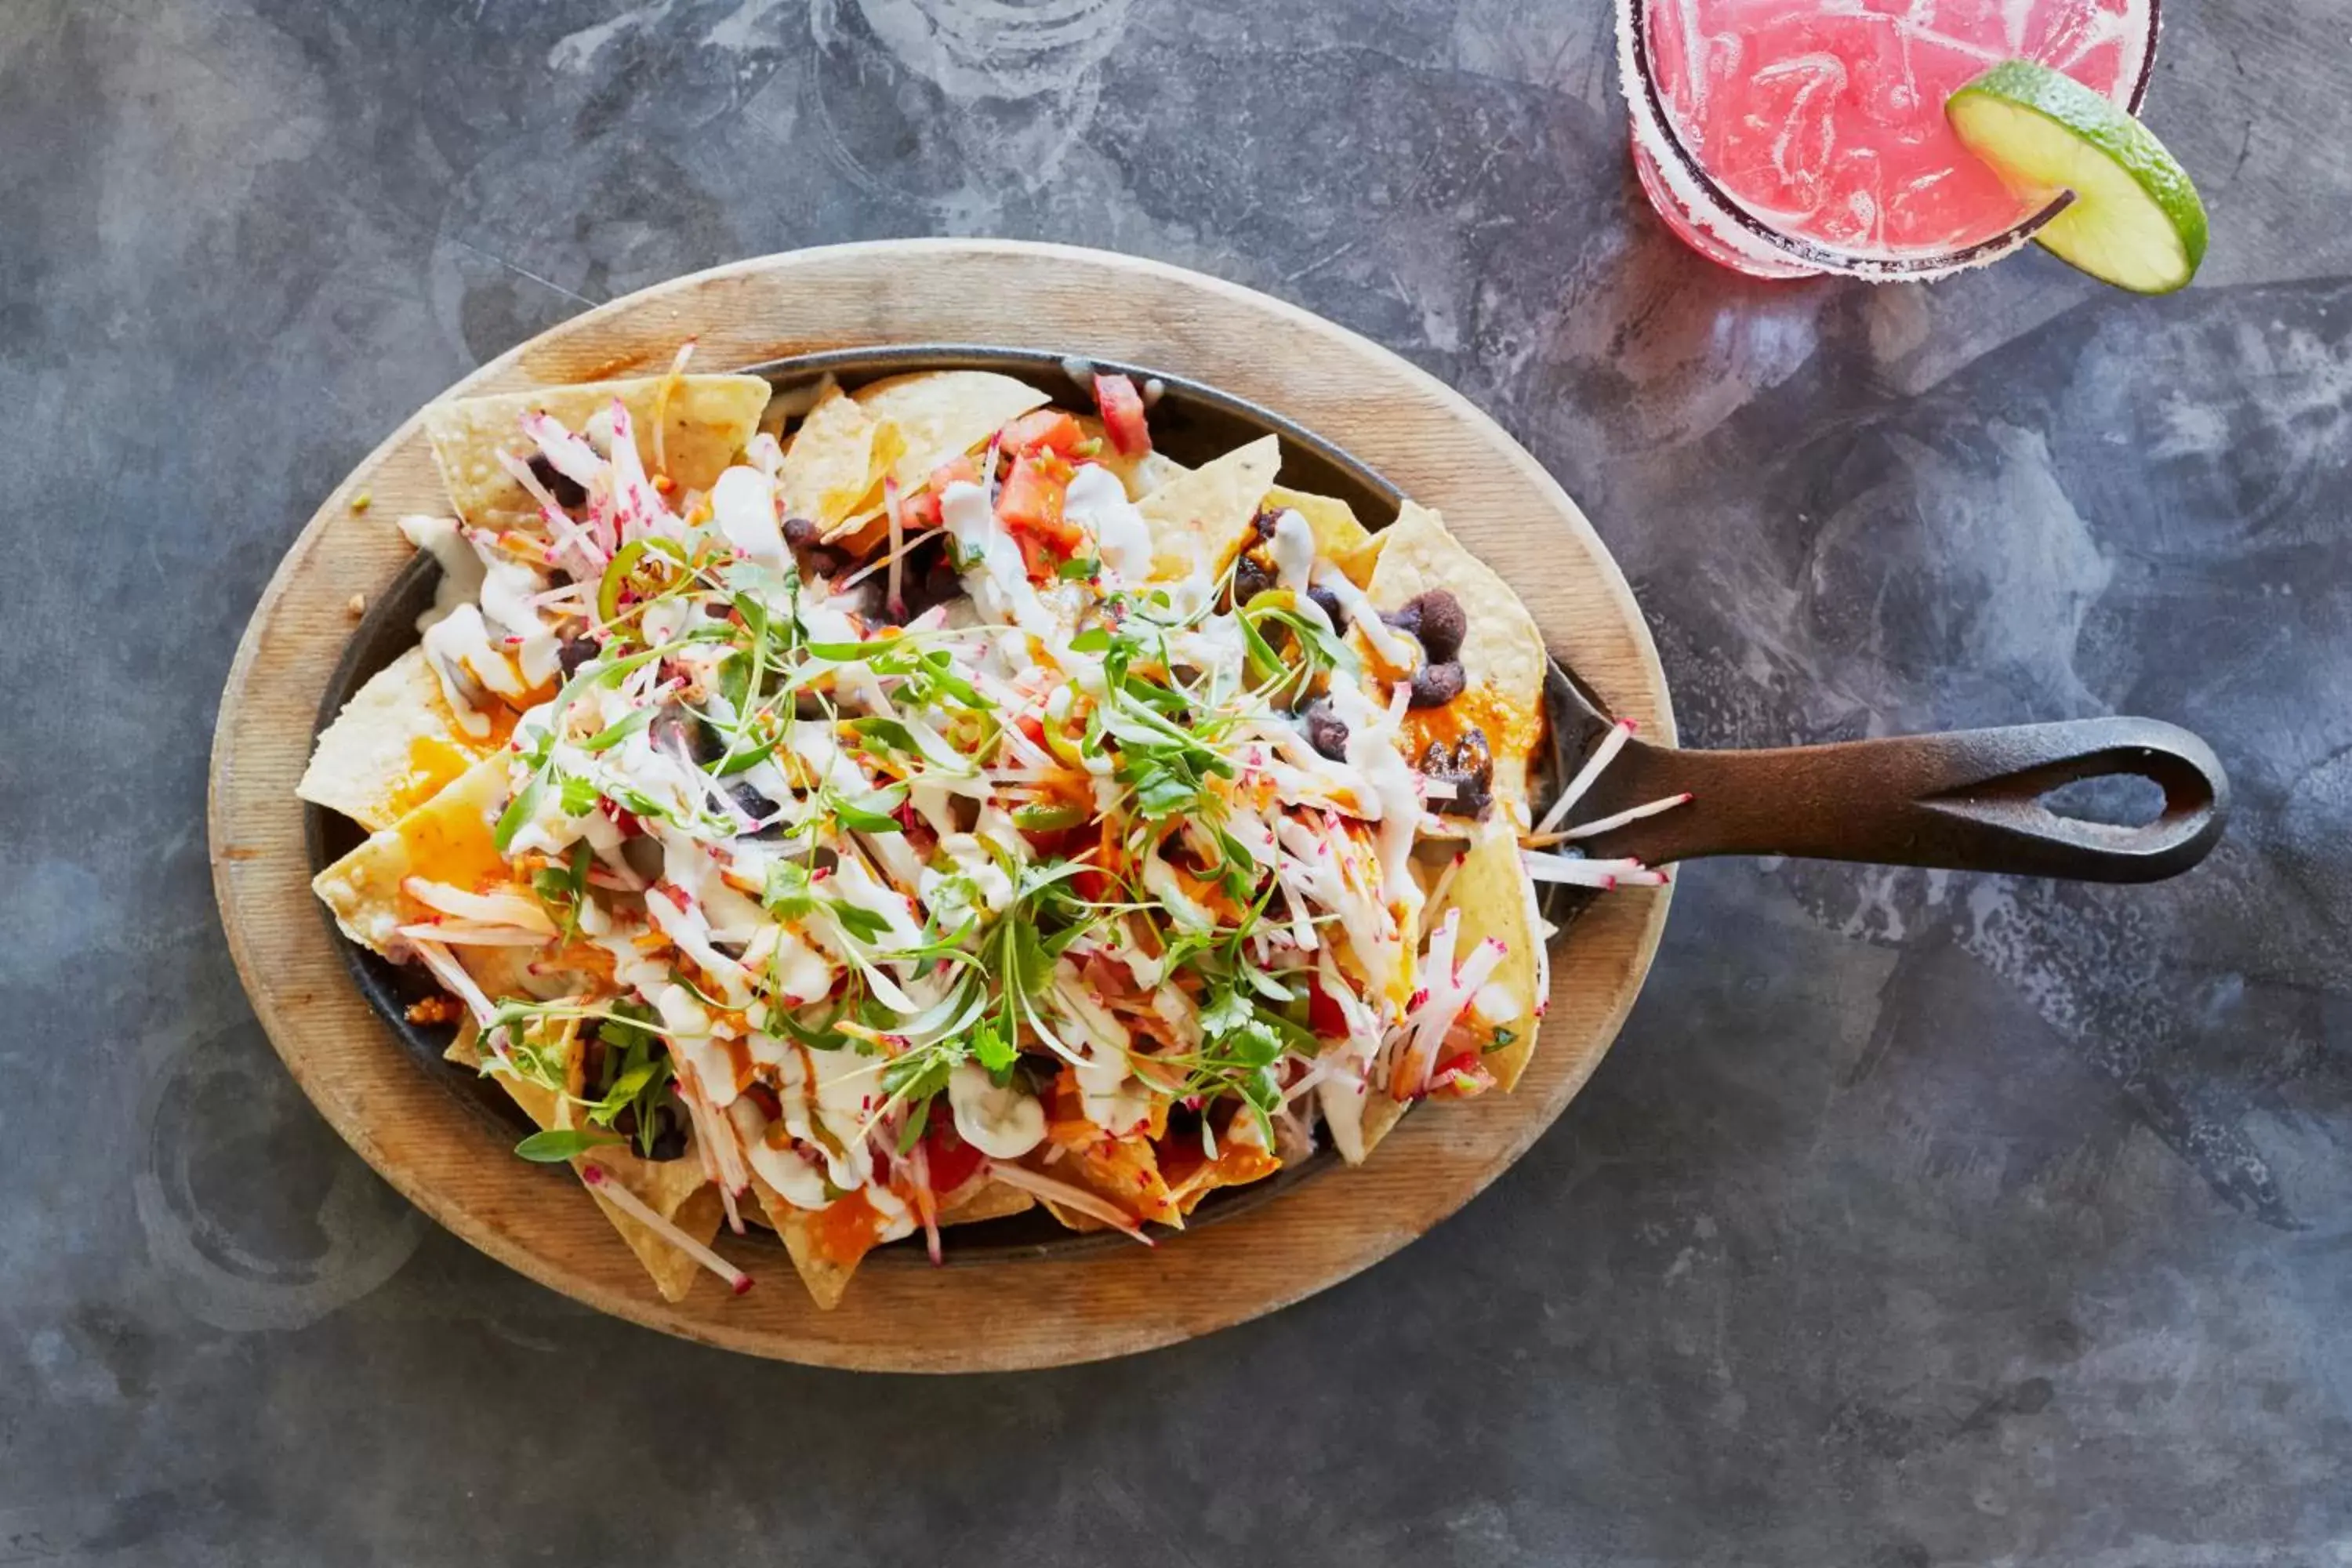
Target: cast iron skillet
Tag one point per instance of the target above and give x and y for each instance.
(1968, 800)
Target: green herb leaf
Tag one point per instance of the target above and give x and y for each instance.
(862, 924)
(990, 1048)
(912, 1132)
(863, 817)
(519, 810)
(577, 796)
(557, 1144)
(620, 730)
(1048, 818)
(788, 892)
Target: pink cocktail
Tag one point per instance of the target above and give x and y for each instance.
(1792, 137)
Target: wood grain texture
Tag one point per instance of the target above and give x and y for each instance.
(900, 1316)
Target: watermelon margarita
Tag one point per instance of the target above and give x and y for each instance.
(1790, 137)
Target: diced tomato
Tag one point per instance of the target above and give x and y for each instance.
(1058, 843)
(1032, 497)
(1030, 507)
(1032, 726)
(953, 1162)
(1459, 1076)
(1090, 883)
(1122, 415)
(921, 509)
(1047, 430)
(1323, 1015)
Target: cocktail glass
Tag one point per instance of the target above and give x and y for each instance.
(1786, 138)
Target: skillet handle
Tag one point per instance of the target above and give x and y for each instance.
(1967, 801)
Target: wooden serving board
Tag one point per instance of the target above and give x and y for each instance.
(987, 1316)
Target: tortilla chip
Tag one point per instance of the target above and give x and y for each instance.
(989, 1200)
(539, 974)
(1497, 899)
(447, 839)
(835, 459)
(705, 423)
(679, 1191)
(825, 1246)
(1198, 520)
(393, 746)
(943, 414)
(1503, 655)
(1141, 474)
(1339, 537)
(1192, 1175)
(1380, 1115)
(1124, 1171)
(675, 1189)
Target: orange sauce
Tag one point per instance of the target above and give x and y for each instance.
(845, 1232)
(432, 763)
(1510, 731)
(455, 846)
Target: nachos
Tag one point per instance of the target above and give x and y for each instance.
(914, 803)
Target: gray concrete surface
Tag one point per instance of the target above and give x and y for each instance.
(1914, 1220)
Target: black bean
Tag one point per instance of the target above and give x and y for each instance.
(1325, 731)
(1469, 766)
(1250, 580)
(1265, 522)
(823, 561)
(1435, 685)
(800, 533)
(684, 731)
(1407, 619)
(752, 802)
(1331, 608)
(568, 491)
(1441, 624)
(575, 652)
(592, 1060)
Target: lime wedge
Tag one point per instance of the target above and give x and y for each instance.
(2135, 221)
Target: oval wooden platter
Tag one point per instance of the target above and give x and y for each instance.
(989, 1316)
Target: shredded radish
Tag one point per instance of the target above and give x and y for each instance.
(1445, 883)
(1603, 755)
(601, 1183)
(570, 455)
(887, 562)
(726, 1145)
(1068, 1197)
(662, 395)
(892, 598)
(765, 452)
(453, 976)
(1450, 990)
(520, 471)
(489, 909)
(633, 492)
(1631, 814)
(927, 1202)
(459, 933)
(1576, 873)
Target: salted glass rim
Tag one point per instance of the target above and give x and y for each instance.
(1633, 17)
